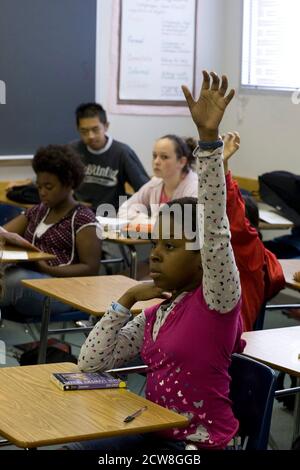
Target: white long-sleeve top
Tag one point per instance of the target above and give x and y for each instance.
(146, 201)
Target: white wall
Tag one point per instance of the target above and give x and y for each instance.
(18, 169)
(141, 131)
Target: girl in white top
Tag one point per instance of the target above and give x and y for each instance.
(173, 178)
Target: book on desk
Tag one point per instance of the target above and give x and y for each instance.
(86, 380)
(15, 239)
(122, 228)
(273, 217)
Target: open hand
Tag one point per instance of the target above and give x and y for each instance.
(231, 145)
(207, 112)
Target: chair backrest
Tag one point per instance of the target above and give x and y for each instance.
(8, 212)
(9, 313)
(259, 322)
(252, 393)
(249, 184)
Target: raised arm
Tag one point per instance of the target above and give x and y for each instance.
(248, 249)
(221, 284)
(231, 142)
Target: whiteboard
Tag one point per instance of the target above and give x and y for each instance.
(156, 51)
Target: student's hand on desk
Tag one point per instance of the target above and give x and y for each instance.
(143, 291)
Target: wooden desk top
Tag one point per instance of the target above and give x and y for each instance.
(279, 348)
(267, 226)
(113, 237)
(4, 199)
(35, 412)
(32, 255)
(290, 266)
(90, 294)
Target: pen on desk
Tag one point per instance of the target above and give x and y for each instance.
(135, 414)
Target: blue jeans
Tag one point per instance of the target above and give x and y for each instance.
(134, 443)
(26, 301)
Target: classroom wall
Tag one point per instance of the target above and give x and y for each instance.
(267, 122)
(141, 131)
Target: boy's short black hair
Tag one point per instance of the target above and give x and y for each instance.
(62, 161)
(90, 110)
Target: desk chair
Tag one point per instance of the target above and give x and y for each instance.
(259, 322)
(251, 185)
(9, 313)
(252, 392)
(8, 213)
(287, 396)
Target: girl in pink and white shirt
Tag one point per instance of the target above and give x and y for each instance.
(187, 341)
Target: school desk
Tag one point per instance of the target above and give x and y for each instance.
(280, 349)
(290, 266)
(131, 244)
(34, 412)
(3, 197)
(16, 255)
(92, 294)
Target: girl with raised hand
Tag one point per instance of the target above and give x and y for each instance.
(187, 340)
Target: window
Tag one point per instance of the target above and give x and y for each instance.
(270, 50)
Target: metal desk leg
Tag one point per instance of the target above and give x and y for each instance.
(134, 262)
(296, 429)
(44, 331)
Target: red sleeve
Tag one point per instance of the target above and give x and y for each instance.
(274, 279)
(248, 249)
(261, 274)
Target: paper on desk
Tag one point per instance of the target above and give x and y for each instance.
(19, 255)
(112, 223)
(272, 217)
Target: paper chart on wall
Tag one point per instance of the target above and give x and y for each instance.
(157, 50)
